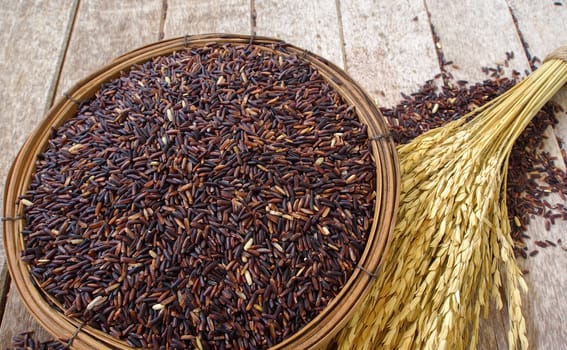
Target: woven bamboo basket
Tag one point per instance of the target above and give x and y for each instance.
(319, 332)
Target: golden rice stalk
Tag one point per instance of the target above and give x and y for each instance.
(451, 251)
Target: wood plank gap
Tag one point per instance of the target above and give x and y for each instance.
(61, 60)
(341, 34)
(523, 40)
(253, 16)
(437, 44)
(162, 17)
(4, 289)
(531, 61)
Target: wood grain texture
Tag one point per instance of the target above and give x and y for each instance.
(17, 320)
(33, 34)
(389, 47)
(542, 25)
(104, 30)
(4, 288)
(311, 25)
(470, 50)
(201, 17)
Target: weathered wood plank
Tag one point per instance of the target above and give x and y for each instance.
(33, 34)
(542, 26)
(104, 30)
(17, 320)
(311, 25)
(469, 49)
(4, 288)
(201, 17)
(27, 70)
(389, 47)
(495, 34)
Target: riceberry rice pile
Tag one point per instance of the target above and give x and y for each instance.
(27, 341)
(215, 198)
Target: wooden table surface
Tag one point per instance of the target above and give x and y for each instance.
(388, 46)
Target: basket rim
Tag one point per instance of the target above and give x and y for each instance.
(335, 314)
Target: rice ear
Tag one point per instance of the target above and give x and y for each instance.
(448, 258)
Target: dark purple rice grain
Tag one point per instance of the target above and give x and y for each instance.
(541, 244)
